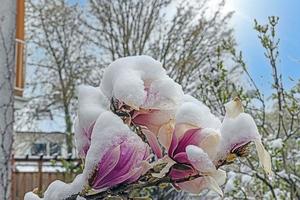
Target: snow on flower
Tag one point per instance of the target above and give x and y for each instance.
(238, 130)
(59, 190)
(211, 177)
(194, 143)
(116, 155)
(136, 96)
(91, 103)
(141, 83)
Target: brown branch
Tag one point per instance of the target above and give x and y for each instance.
(124, 189)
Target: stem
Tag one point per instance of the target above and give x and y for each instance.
(125, 189)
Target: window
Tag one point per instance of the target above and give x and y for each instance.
(55, 149)
(39, 149)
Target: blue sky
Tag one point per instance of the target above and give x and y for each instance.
(288, 31)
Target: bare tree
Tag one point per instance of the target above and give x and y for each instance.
(280, 127)
(58, 54)
(7, 65)
(183, 36)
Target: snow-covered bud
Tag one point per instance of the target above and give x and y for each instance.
(238, 130)
(91, 103)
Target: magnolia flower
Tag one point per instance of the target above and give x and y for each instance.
(157, 126)
(116, 155)
(141, 83)
(195, 125)
(210, 177)
(200, 142)
(194, 144)
(195, 128)
(238, 130)
(91, 103)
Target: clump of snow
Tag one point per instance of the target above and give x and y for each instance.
(196, 113)
(80, 198)
(31, 196)
(276, 144)
(59, 190)
(91, 103)
(237, 130)
(163, 94)
(246, 179)
(124, 78)
(229, 186)
(199, 159)
(140, 81)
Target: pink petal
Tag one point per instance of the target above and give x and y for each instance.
(145, 166)
(108, 163)
(153, 142)
(173, 146)
(125, 164)
(191, 137)
(165, 134)
(177, 174)
(152, 119)
(181, 157)
(182, 128)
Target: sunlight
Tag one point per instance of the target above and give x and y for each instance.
(228, 7)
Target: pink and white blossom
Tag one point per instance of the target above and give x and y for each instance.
(91, 103)
(116, 155)
(237, 130)
(194, 144)
(141, 83)
(142, 97)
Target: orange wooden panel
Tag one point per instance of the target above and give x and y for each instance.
(20, 35)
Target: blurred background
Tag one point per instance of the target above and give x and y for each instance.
(215, 49)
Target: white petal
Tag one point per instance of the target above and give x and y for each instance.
(210, 142)
(264, 157)
(212, 184)
(220, 176)
(165, 134)
(234, 108)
